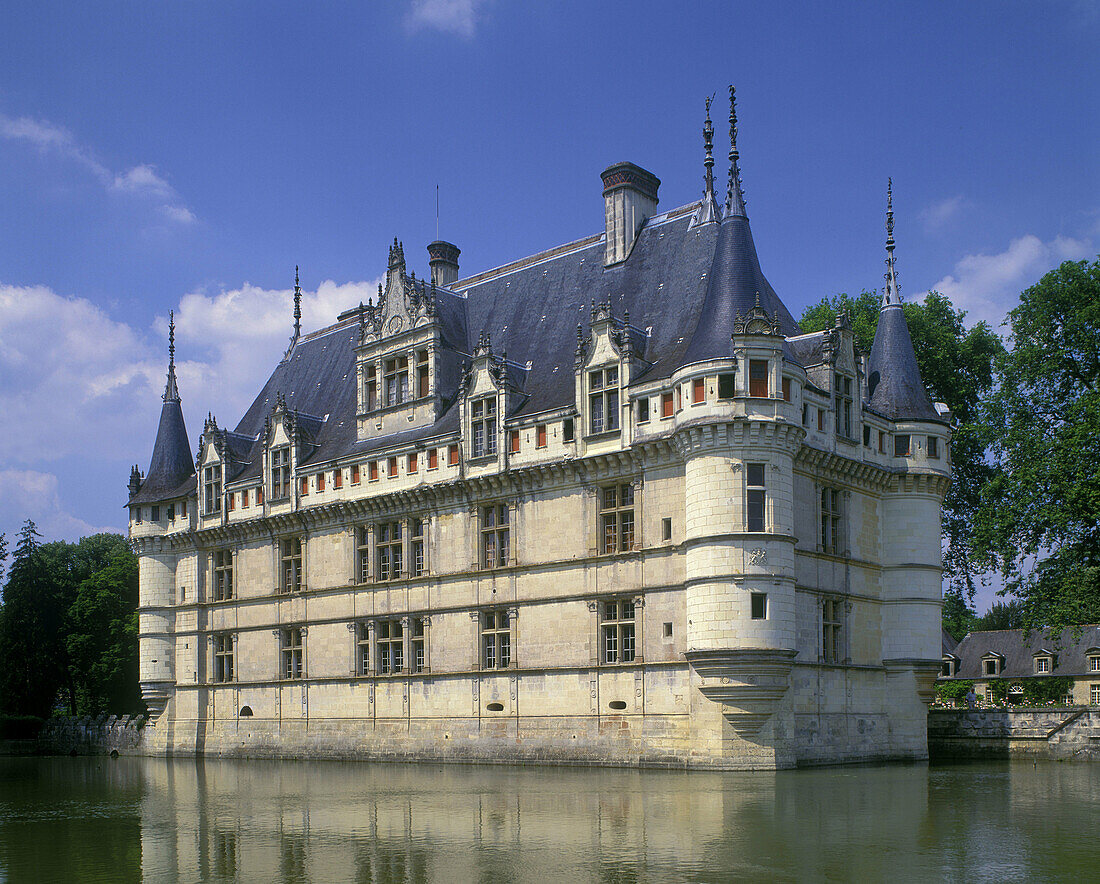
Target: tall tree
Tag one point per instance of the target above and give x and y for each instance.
(1041, 516)
(957, 366)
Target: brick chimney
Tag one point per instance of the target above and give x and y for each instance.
(443, 259)
(629, 199)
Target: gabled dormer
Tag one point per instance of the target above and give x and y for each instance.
(210, 464)
(608, 357)
(993, 664)
(287, 441)
(758, 350)
(491, 389)
(1044, 661)
(406, 364)
(950, 666)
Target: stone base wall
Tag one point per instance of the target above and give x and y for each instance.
(92, 736)
(1064, 733)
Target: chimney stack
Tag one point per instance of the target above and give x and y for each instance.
(443, 259)
(630, 199)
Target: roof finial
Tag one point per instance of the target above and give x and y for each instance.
(171, 391)
(297, 304)
(708, 208)
(735, 199)
(891, 295)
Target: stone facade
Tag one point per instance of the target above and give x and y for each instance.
(605, 546)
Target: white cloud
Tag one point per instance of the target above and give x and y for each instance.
(141, 180)
(34, 495)
(451, 16)
(935, 216)
(988, 286)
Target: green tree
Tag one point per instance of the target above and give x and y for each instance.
(1040, 523)
(1002, 615)
(3, 552)
(957, 367)
(31, 632)
(958, 617)
(102, 631)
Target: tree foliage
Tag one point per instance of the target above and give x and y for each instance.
(957, 367)
(1042, 505)
(68, 627)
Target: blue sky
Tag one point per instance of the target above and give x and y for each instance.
(186, 156)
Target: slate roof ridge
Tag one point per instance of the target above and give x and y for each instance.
(576, 245)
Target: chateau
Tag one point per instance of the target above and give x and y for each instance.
(605, 504)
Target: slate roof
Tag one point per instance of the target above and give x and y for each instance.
(893, 379)
(172, 465)
(1071, 652)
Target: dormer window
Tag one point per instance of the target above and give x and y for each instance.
(396, 380)
(992, 664)
(422, 383)
(603, 400)
(1094, 663)
(842, 391)
(212, 489)
(280, 473)
(1042, 665)
(483, 426)
(372, 389)
(950, 666)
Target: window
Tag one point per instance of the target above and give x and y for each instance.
(223, 656)
(320, 481)
(137, 515)
(643, 410)
(1042, 665)
(758, 378)
(291, 641)
(666, 405)
(483, 426)
(422, 385)
(212, 489)
(452, 455)
(727, 386)
(540, 436)
(901, 445)
(494, 535)
(754, 476)
(989, 667)
(395, 378)
(1094, 695)
(280, 473)
(945, 670)
(831, 625)
(787, 389)
(805, 415)
(362, 647)
(881, 442)
(391, 467)
(567, 430)
(1094, 664)
(183, 507)
(303, 484)
(418, 648)
(603, 400)
(821, 420)
(372, 471)
(617, 631)
(246, 499)
(388, 550)
(666, 529)
(259, 499)
(390, 646)
(934, 446)
(842, 393)
(355, 474)
(617, 518)
(223, 575)
(372, 389)
(867, 436)
(416, 548)
(513, 441)
(290, 549)
(668, 629)
(413, 464)
(698, 391)
(831, 539)
(154, 513)
(172, 511)
(758, 605)
(232, 498)
(362, 554)
(433, 459)
(337, 478)
(496, 640)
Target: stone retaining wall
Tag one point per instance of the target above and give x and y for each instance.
(1062, 733)
(92, 736)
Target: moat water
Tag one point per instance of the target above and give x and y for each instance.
(140, 819)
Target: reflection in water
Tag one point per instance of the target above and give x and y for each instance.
(166, 820)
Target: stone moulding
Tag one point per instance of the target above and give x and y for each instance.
(924, 672)
(748, 683)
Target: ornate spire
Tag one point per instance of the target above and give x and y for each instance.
(297, 305)
(735, 199)
(171, 392)
(891, 295)
(708, 208)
